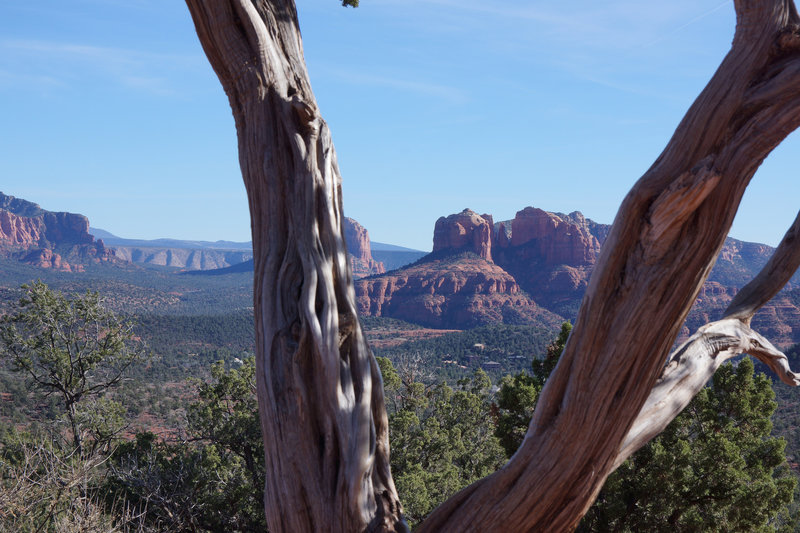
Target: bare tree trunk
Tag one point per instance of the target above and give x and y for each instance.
(319, 389)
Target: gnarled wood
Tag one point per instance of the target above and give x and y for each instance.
(660, 250)
(691, 366)
(319, 388)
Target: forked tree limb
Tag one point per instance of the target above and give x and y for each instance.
(691, 366)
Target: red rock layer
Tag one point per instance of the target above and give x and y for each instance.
(19, 232)
(466, 230)
(464, 293)
(551, 257)
(357, 238)
(557, 241)
(33, 239)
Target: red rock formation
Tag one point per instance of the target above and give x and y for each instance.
(46, 258)
(503, 237)
(443, 293)
(559, 241)
(466, 230)
(33, 235)
(357, 238)
(550, 256)
(19, 232)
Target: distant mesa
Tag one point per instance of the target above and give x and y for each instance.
(183, 258)
(175, 253)
(59, 241)
(550, 255)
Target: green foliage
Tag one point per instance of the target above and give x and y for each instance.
(513, 346)
(517, 395)
(714, 468)
(442, 438)
(75, 350)
(212, 481)
(72, 351)
(541, 368)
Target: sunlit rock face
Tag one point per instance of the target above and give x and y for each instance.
(357, 238)
(466, 230)
(59, 241)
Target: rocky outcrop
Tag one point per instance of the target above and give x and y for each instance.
(19, 232)
(46, 258)
(59, 241)
(546, 255)
(463, 292)
(556, 240)
(549, 256)
(465, 231)
(358, 247)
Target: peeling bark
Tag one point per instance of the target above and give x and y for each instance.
(319, 389)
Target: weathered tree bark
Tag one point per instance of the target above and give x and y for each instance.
(319, 389)
(663, 243)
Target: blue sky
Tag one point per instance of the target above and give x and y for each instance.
(109, 108)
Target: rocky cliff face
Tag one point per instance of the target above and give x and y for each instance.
(551, 255)
(59, 241)
(361, 261)
(546, 255)
(465, 231)
(20, 232)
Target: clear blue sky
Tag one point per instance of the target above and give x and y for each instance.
(109, 108)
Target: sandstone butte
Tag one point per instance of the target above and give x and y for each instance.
(535, 269)
(357, 238)
(47, 239)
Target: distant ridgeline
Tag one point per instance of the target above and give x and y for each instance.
(366, 257)
(65, 242)
(531, 270)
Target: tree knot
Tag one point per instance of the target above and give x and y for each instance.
(789, 39)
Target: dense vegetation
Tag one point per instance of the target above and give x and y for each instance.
(156, 429)
(499, 349)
